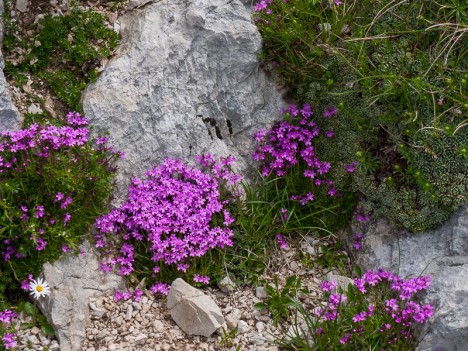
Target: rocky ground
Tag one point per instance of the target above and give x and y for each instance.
(147, 324)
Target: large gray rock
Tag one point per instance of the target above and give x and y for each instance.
(74, 279)
(185, 81)
(9, 116)
(194, 312)
(442, 254)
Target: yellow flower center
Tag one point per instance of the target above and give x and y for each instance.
(39, 288)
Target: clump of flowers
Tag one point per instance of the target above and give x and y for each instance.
(126, 295)
(170, 219)
(289, 143)
(54, 181)
(379, 311)
(8, 337)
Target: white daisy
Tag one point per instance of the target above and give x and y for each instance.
(39, 288)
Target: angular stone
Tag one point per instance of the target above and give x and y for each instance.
(22, 5)
(233, 318)
(261, 292)
(194, 312)
(74, 279)
(242, 327)
(185, 81)
(441, 253)
(226, 285)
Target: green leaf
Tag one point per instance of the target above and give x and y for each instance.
(358, 271)
(260, 306)
(29, 308)
(25, 326)
(47, 329)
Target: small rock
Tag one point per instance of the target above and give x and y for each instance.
(35, 330)
(22, 5)
(242, 327)
(260, 326)
(129, 313)
(141, 339)
(34, 109)
(54, 346)
(226, 285)
(33, 339)
(257, 340)
(232, 319)
(193, 311)
(261, 292)
(158, 326)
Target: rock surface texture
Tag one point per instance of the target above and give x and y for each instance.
(185, 81)
(442, 254)
(9, 117)
(74, 279)
(194, 312)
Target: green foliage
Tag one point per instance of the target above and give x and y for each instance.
(398, 74)
(65, 52)
(227, 339)
(333, 258)
(260, 219)
(280, 299)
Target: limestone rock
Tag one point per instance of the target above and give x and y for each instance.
(440, 253)
(74, 279)
(185, 81)
(194, 312)
(9, 117)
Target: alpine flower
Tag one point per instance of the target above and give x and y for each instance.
(39, 288)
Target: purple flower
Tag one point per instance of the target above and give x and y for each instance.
(328, 286)
(66, 218)
(360, 317)
(282, 243)
(66, 202)
(329, 112)
(160, 288)
(7, 316)
(137, 295)
(345, 339)
(201, 279)
(39, 211)
(329, 133)
(351, 166)
(59, 197)
(41, 244)
(9, 340)
(259, 135)
(25, 284)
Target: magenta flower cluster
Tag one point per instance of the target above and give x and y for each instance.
(34, 148)
(290, 142)
(385, 296)
(176, 212)
(6, 319)
(126, 295)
